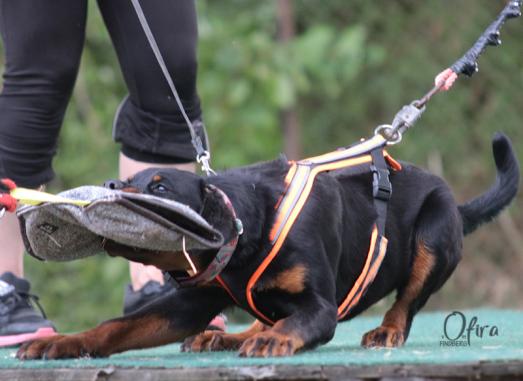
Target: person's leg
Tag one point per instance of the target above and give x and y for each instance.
(42, 43)
(12, 258)
(149, 124)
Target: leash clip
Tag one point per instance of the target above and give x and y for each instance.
(403, 120)
(203, 159)
(407, 116)
(381, 186)
(2, 211)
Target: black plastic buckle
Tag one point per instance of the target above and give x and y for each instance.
(381, 186)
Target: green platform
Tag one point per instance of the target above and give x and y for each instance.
(503, 353)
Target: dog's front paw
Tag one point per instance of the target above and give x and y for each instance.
(56, 347)
(33, 350)
(209, 341)
(388, 337)
(270, 344)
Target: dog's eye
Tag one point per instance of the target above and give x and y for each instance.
(159, 188)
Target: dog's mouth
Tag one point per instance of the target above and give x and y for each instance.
(182, 221)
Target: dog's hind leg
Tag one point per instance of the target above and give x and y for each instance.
(221, 341)
(395, 325)
(437, 250)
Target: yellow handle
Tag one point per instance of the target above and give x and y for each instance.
(34, 197)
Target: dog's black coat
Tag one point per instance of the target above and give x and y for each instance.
(329, 241)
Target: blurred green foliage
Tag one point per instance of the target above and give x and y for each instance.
(351, 66)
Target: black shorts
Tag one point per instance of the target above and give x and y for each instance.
(43, 42)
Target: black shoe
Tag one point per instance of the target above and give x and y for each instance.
(134, 300)
(19, 321)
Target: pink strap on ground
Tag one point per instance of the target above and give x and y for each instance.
(7, 341)
(445, 79)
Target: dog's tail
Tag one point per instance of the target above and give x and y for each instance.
(487, 206)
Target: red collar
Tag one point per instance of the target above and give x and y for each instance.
(222, 257)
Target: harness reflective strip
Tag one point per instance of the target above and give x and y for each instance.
(294, 201)
(359, 149)
(352, 299)
(302, 173)
(287, 182)
(359, 282)
(305, 176)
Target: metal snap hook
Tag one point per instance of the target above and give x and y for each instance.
(203, 159)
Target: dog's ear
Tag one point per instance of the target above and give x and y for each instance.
(216, 211)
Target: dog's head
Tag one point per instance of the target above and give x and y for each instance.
(186, 188)
(181, 186)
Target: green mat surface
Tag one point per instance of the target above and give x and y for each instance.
(423, 347)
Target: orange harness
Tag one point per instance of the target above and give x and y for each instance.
(299, 182)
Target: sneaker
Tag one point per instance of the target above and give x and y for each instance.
(134, 300)
(19, 320)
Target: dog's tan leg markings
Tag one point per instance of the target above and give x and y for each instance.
(391, 333)
(110, 337)
(291, 280)
(276, 341)
(221, 341)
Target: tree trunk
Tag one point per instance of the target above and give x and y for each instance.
(288, 117)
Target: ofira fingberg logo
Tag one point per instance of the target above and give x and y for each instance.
(458, 331)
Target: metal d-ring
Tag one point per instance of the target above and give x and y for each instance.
(389, 133)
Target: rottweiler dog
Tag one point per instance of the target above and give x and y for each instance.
(319, 262)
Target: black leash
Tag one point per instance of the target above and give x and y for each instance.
(203, 156)
(466, 65)
(409, 114)
(386, 134)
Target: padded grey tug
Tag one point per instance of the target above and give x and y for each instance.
(64, 232)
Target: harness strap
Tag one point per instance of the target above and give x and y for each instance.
(382, 191)
(299, 182)
(381, 188)
(289, 210)
(375, 256)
